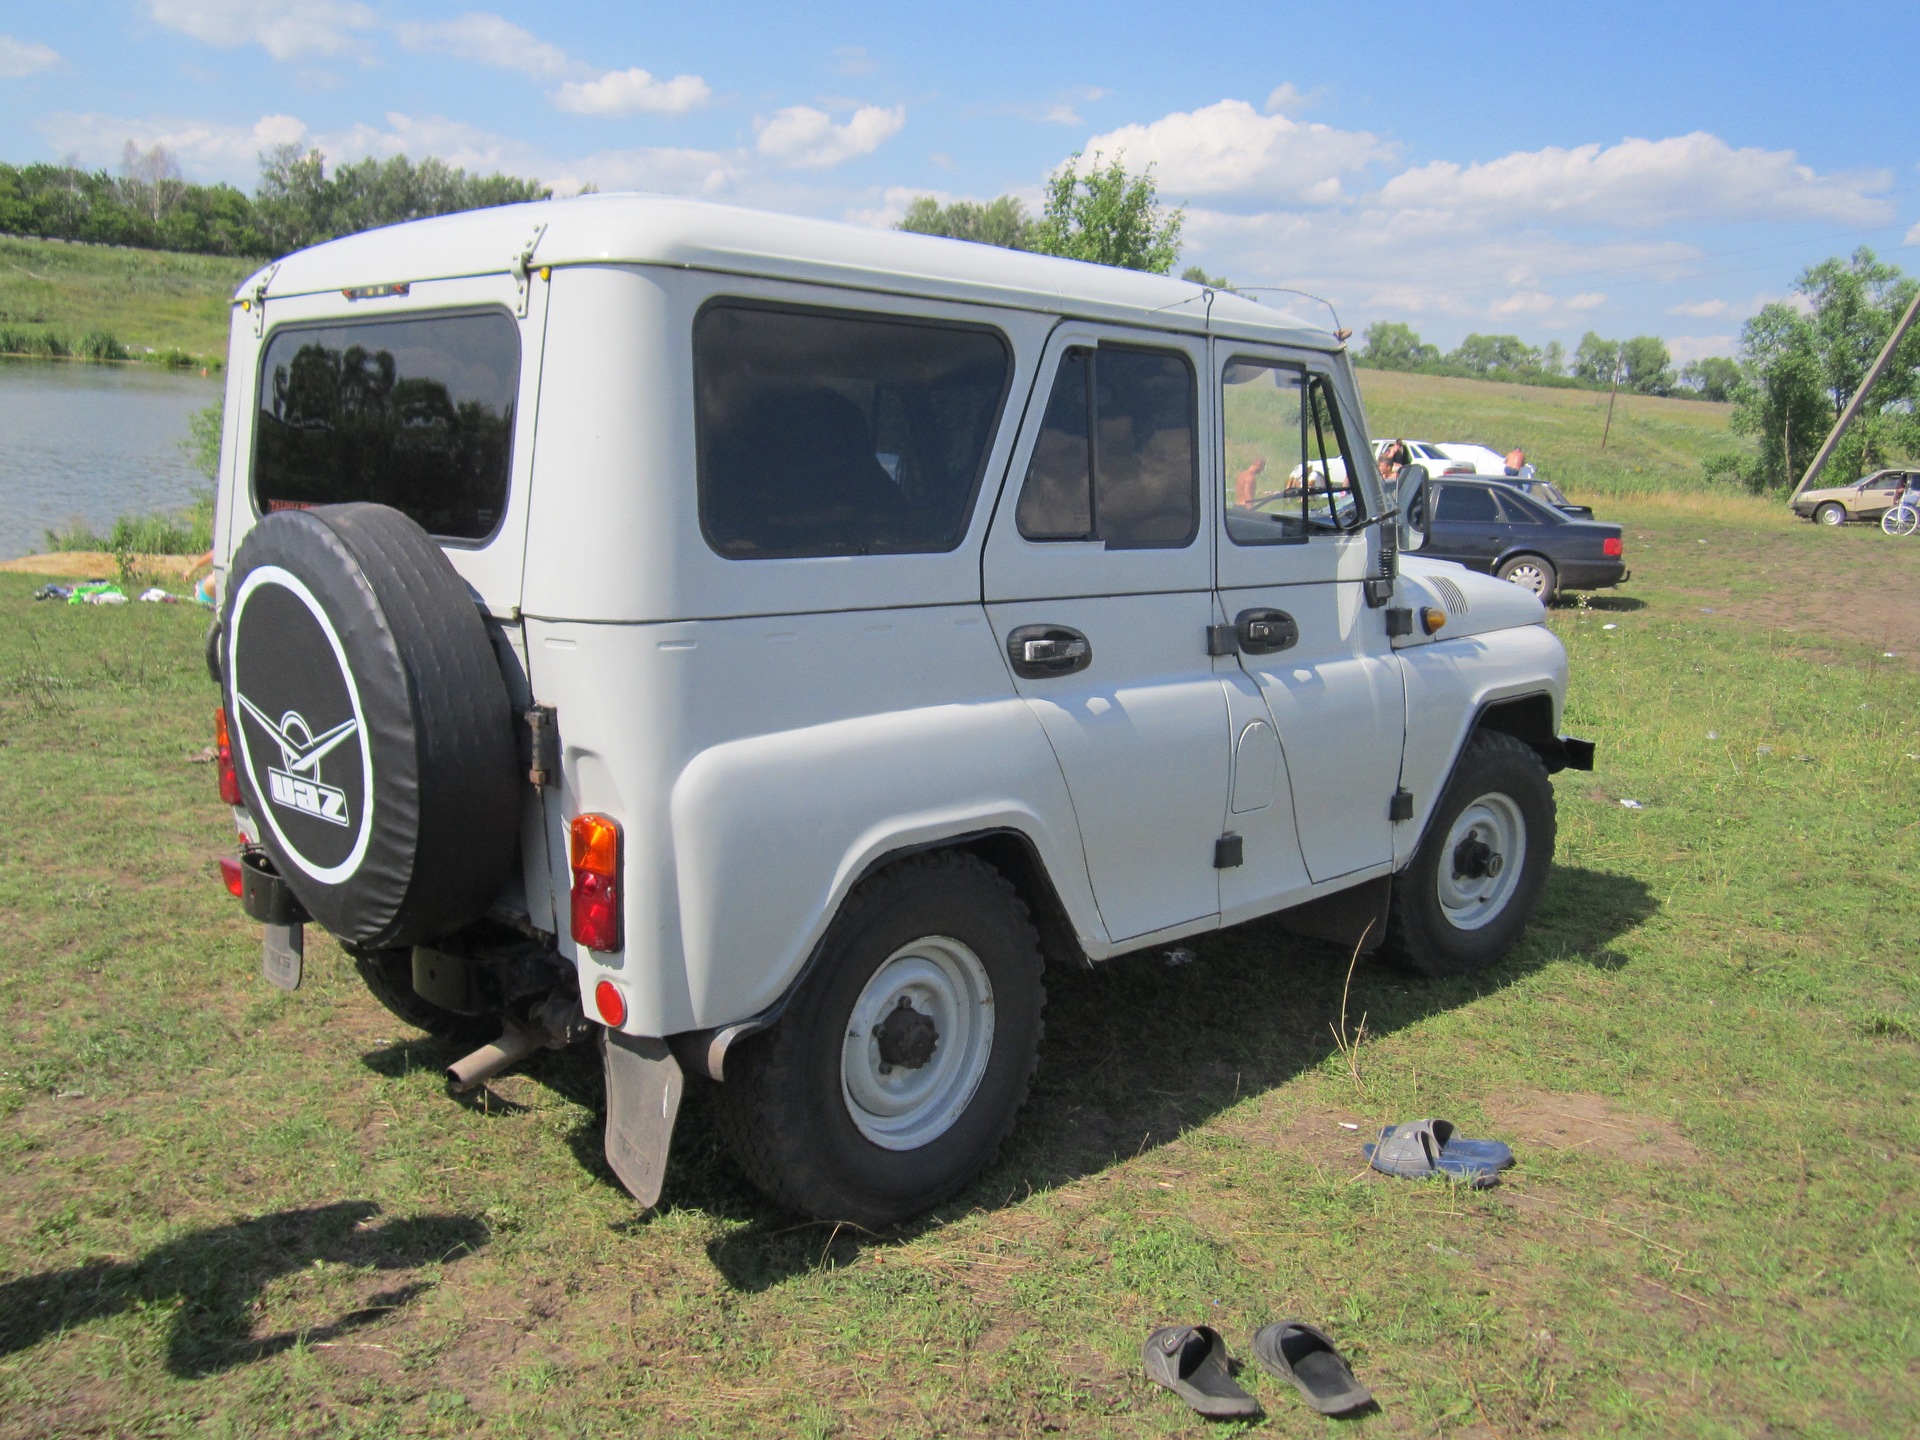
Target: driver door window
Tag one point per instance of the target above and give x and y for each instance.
(1285, 455)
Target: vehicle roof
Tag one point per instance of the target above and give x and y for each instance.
(700, 235)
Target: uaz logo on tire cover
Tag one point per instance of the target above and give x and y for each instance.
(286, 663)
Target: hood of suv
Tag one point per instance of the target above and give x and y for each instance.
(1475, 603)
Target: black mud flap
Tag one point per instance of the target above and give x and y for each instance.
(1348, 918)
(1578, 753)
(643, 1098)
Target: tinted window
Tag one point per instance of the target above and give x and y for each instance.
(1465, 502)
(1523, 509)
(1118, 454)
(840, 434)
(416, 414)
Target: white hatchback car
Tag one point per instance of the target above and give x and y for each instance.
(758, 644)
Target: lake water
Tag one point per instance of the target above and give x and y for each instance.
(93, 441)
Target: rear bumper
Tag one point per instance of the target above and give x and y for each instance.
(1592, 574)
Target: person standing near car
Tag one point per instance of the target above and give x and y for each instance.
(1516, 461)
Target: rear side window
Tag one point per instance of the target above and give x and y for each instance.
(836, 433)
(414, 413)
(1117, 458)
(1466, 502)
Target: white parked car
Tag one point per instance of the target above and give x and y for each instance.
(1425, 453)
(759, 646)
(1484, 461)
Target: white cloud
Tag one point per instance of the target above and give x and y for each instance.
(1231, 149)
(1289, 99)
(670, 171)
(630, 92)
(1688, 348)
(1586, 300)
(21, 58)
(285, 29)
(1913, 236)
(805, 138)
(203, 147)
(1697, 177)
(487, 40)
(1700, 309)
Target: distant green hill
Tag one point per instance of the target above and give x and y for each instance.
(147, 300)
(1655, 444)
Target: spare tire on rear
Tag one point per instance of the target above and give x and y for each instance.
(372, 730)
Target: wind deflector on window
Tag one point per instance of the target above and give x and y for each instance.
(835, 433)
(414, 413)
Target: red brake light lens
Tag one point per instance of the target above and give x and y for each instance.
(230, 872)
(1614, 546)
(611, 1004)
(223, 762)
(596, 883)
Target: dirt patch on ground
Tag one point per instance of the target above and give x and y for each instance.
(1589, 1123)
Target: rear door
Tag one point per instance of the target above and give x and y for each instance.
(418, 395)
(1098, 583)
(1297, 557)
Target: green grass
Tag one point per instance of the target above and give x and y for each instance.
(228, 1211)
(1655, 446)
(58, 298)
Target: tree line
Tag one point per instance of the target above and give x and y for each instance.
(299, 201)
(1642, 365)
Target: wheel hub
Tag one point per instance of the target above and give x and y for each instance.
(907, 1038)
(1473, 879)
(1474, 859)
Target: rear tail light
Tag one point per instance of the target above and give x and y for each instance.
(1613, 545)
(230, 872)
(596, 882)
(223, 762)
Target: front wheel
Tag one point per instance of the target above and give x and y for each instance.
(1831, 514)
(899, 1067)
(1901, 520)
(1531, 572)
(1477, 875)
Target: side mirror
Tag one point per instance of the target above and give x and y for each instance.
(1415, 507)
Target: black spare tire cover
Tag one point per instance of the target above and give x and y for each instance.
(371, 726)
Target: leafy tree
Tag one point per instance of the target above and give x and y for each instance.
(1197, 274)
(1715, 377)
(1648, 365)
(1806, 364)
(1484, 354)
(1391, 345)
(1553, 358)
(302, 205)
(1596, 359)
(1002, 222)
(1108, 217)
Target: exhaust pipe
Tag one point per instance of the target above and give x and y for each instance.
(513, 1046)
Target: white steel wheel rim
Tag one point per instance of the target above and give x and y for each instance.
(1470, 897)
(1528, 576)
(1832, 515)
(902, 1107)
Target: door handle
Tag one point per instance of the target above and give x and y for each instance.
(1038, 652)
(1265, 632)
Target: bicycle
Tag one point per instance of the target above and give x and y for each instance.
(1904, 518)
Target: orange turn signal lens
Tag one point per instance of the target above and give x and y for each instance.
(1432, 617)
(596, 883)
(611, 1004)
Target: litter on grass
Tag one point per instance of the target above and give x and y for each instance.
(1609, 627)
(1631, 805)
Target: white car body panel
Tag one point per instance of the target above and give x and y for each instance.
(767, 730)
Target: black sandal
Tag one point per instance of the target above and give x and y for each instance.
(1303, 1354)
(1191, 1361)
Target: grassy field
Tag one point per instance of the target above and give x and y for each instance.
(1655, 446)
(228, 1211)
(145, 299)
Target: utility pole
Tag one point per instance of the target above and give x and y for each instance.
(1619, 364)
(1859, 398)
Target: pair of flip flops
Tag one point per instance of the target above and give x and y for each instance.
(1192, 1362)
(1421, 1149)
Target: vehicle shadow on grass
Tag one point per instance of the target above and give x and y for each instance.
(211, 1278)
(1139, 1051)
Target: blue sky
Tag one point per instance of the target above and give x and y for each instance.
(1541, 170)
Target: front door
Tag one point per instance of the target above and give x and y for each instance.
(1098, 583)
(1297, 543)
(1467, 527)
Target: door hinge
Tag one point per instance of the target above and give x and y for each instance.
(1399, 622)
(1379, 590)
(543, 755)
(1223, 640)
(1400, 807)
(257, 300)
(1228, 851)
(522, 269)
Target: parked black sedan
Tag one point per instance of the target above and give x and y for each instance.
(1549, 494)
(1491, 527)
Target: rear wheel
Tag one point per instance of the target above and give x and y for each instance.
(1477, 876)
(1901, 520)
(1831, 513)
(1531, 572)
(898, 1069)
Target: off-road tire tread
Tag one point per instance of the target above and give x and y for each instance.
(1406, 940)
(766, 1068)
